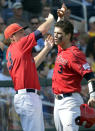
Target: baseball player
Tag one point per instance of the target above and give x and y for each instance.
(70, 68)
(21, 66)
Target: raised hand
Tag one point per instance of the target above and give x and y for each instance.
(61, 12)
(49, 41)
(41, 56)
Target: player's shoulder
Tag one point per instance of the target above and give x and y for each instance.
(75, 52)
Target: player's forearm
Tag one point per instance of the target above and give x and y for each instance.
(46, 25)
(41, 56)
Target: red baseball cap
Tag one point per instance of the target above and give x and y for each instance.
(11, 29)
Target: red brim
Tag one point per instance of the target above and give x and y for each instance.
(20, 29)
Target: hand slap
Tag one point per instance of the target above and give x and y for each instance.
(61, 12)
(49, 41)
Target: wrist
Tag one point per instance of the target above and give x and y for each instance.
(50, 17)
(47, 47)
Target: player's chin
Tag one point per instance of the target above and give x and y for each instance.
(56, 42)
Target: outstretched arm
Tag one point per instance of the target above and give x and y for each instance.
(46, 25)
(43, 28)
(49, 41)
(41, 56)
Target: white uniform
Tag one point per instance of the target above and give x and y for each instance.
(65, 112)
(29, 107)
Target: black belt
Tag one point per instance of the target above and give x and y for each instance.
(61, 96)
(28, 90)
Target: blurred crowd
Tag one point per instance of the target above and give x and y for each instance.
(33, 13)
(19, 11)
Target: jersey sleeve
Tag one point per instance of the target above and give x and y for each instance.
(27, 43)
(79, 64)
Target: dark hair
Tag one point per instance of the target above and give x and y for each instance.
(7, 42)
(66, 26)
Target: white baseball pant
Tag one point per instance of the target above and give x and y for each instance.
(65, 112)
(29, 107)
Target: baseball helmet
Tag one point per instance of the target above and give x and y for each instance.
(87, 118)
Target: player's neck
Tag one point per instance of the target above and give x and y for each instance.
(66, 45)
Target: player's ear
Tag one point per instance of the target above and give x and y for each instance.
(12, 38)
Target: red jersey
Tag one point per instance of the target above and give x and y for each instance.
(21, 64)
(70, 67)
